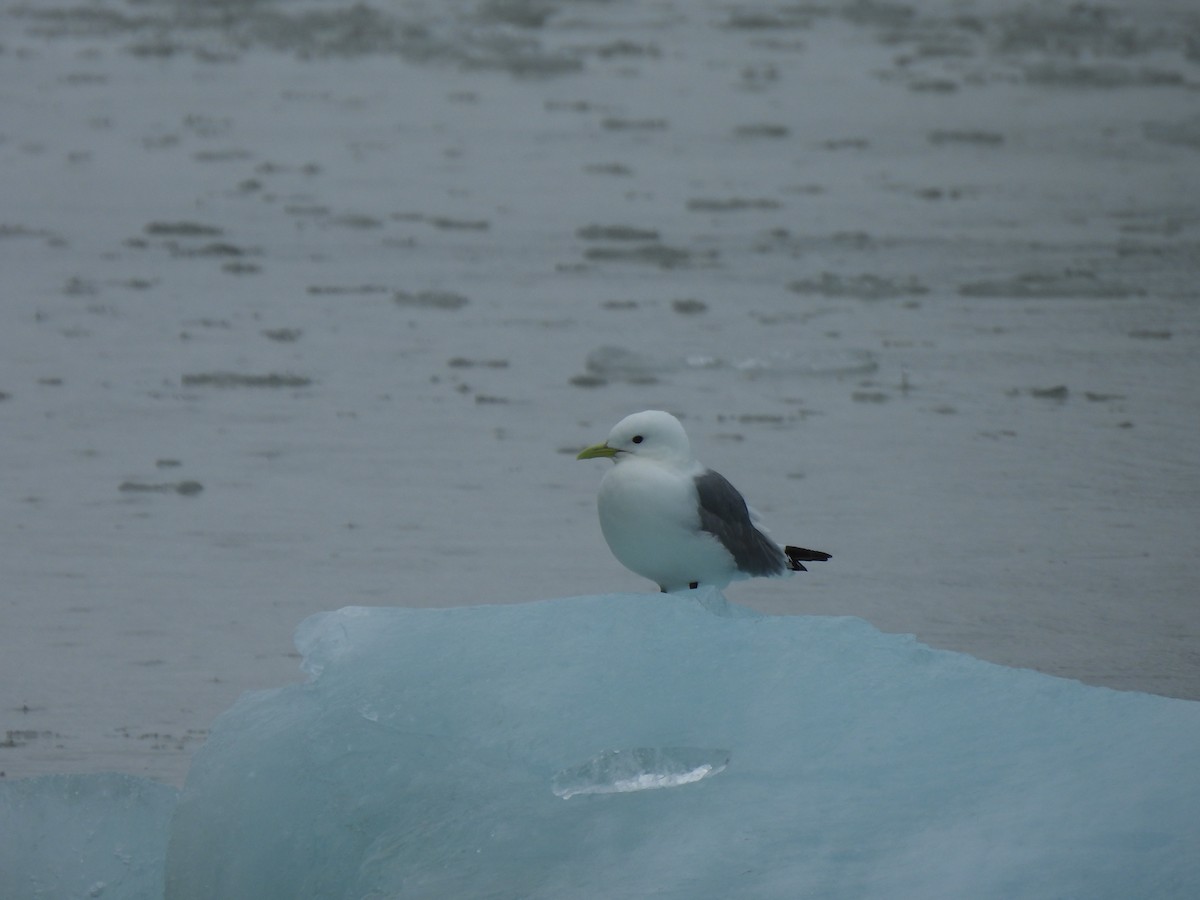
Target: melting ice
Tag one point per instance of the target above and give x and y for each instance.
(639, 769)
(637, 745)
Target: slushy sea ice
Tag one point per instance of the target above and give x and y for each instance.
(677, 746)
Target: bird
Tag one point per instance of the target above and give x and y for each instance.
(667, 517)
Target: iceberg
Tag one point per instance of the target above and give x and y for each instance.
(65, 837)
(640, 745)
(675, 746)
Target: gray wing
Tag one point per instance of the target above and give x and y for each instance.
(724, 515)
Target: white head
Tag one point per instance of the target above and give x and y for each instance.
(652, 434)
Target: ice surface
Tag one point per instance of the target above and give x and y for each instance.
(502, 751)
(639, 769)
(73, 836)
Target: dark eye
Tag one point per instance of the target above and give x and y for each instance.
(637, 438)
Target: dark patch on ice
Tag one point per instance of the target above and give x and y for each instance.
(1057, 392)
(933, 86)
(756, 418)
(863, 287)
(618, 169)
(51, 238)
(238, 267)
(1078, 45)
(1050, 285)
(755, 20)
(19, 737)
(622, 49)
(1107, 76)
(163, 740)
(938, 193)
(283, 335)
(220, 156)
(521, 13)
(208, 126)
(1149, 334)
(978, 138)
(161, 142)
(430, 299)
(241, 380)
(495, 37)
(181, 229)
(85, 78)
(587, 381)
(183, 488)
(575, 106)
(80, 287)
(639, 769)
(870, 397)
(662, 255)
(762, 77)
(1180, 134)
(689, 307)
(731, 204)
(360, 221)
(314, 210)
(1157, 223)
(445, 223)
(877, 13)
(1077, 29)
(462, 362)
(269, 167)
(762, 130)
(347, 290)
(211, 249)
(616, 123)
(846, 144)
(615, 233)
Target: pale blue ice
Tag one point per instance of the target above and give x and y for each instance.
(69, 837)
(647, 746)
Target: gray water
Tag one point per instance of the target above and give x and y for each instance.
(312, 305)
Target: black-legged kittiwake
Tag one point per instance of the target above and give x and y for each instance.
(668, 518)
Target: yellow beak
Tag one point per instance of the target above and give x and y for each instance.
(597, 451)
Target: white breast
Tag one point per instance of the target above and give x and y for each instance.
(649, 519)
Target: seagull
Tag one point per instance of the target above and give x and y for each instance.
(672, 520)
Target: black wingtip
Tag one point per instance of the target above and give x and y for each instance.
(798, 555)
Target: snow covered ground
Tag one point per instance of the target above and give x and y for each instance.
(308, 305)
